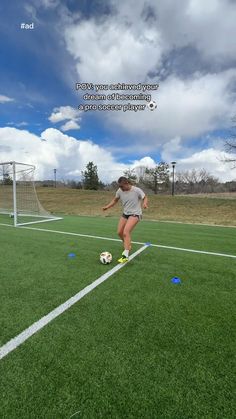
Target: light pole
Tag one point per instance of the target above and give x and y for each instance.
(55, 177)
(173, 177)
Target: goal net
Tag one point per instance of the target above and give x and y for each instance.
(18, 197)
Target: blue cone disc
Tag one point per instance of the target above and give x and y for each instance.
(176, 280)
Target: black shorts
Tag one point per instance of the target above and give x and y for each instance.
(131, 215)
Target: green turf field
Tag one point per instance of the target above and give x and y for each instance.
(138, 346)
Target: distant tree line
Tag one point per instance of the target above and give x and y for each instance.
(196, 181)
(156, 180)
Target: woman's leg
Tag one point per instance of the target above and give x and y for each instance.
(121, 226)
(128, 227)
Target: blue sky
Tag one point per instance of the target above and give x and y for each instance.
(189, 51)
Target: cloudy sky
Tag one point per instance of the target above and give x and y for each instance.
(50, 48)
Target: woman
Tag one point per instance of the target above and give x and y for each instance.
(131, 198)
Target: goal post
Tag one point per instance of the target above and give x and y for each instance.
(18, 196)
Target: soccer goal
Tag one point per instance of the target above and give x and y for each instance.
(18, 197)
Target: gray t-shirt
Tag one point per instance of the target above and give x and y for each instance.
(131, 200)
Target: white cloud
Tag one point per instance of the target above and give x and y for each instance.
(137, 40)
(185, 108)
(210, 159)
(171, 148)
(63, 113)
(5, 99)
(53, 149)
(111, 52)
(137, 37)
(69, 156)
(210, 26)
(19, 124)
(144, 161)
(192, 106)
(70, 125)
(31, 10)
(22, 124)
(207, 26)
(49, 4)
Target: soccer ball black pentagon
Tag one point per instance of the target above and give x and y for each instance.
(152, 105)
(105, 258)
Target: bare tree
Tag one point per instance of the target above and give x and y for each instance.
(196, 181)
(230, 144)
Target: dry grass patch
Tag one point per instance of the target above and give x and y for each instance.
(209, 209)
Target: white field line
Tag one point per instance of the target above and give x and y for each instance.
(193, 251)
(182, 249)
(35, 327)
(154, 245)
(40, 221)
(188, 223)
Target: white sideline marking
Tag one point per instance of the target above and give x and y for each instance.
(35, 327)
(194, 251)
(41, 221)
(118, 240)
(192, 224)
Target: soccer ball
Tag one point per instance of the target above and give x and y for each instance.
(105, 258)
(152, 105)
(11, 215)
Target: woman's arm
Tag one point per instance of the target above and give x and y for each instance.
(145, 202)
(111, 204)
